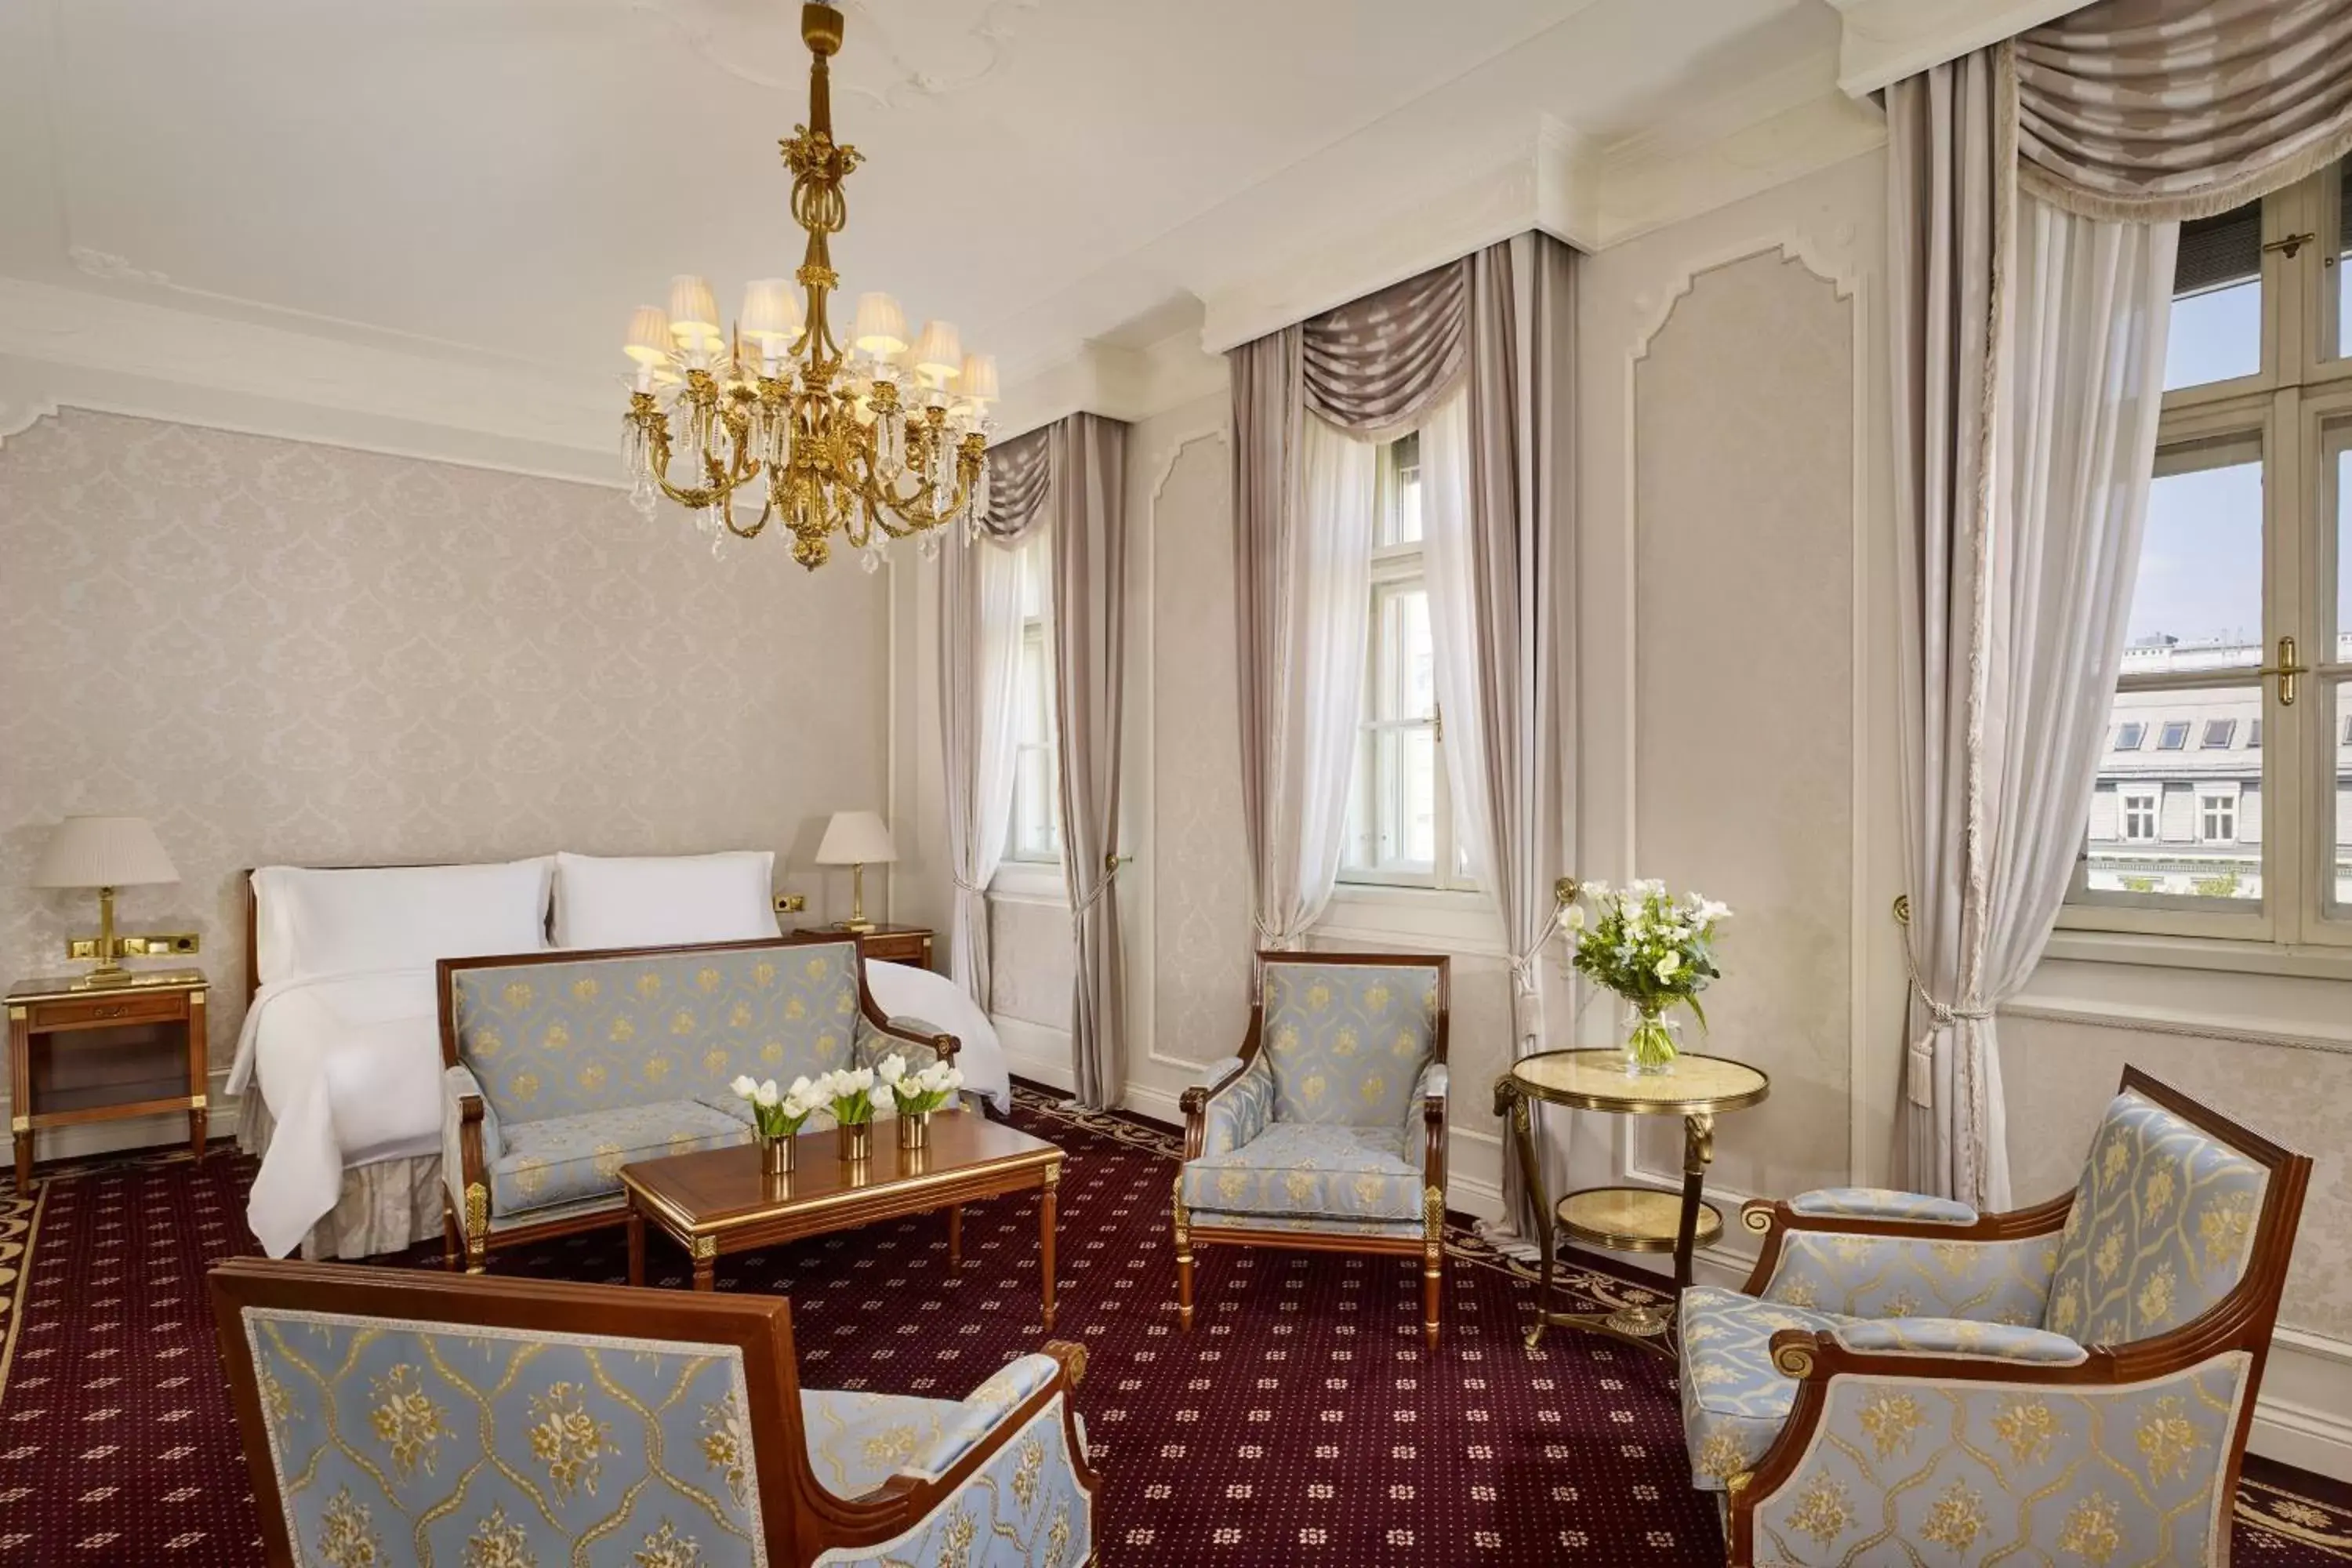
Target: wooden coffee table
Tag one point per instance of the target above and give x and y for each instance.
(717, 1201)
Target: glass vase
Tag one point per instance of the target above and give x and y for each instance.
(1650, 1040)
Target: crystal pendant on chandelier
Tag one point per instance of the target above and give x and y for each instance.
(883, 438)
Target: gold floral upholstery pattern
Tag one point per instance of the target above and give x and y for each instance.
(1306, 1171)
(494, 1449)
(1734, 1400)
(552, 1039)
(1346, 1041)
(2160, 1228)
(1023, 1509)
(1860, 1275)
(1984, 1472)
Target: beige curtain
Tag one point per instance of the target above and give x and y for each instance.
(2171, 109)
(1479, 356)
(1086, 501)
(1308, 403)
(2028, 362)
(980, 657)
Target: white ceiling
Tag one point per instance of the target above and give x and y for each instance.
(499, 181)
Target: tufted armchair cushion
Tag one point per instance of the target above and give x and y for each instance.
(1346, 1041)
(2159, 1229)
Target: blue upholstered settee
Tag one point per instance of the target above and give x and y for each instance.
(392, 1416)
(2071, 1382)
(558, 1068)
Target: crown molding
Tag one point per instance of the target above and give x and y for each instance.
(1132, 384)
(1883, 41)
(1779, 128)
(71, 348)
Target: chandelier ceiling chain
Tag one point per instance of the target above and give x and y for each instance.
(878, 440)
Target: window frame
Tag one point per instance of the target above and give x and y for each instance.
(1398, 566)
(2292, 408)
(1036, 640)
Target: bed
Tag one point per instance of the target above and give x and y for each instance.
(338, 1064)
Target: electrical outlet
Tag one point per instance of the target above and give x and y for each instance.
(792, 903)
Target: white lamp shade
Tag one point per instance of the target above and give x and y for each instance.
(939, 352)
(881, 327)
(771, 312)
(106, 852)
(693, 311)
(855, 839)
(978, 382)
(649, 340)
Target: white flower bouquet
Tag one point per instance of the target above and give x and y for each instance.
(1654, 949)
(777, 1114)
(850, 1092)
(921, 1092)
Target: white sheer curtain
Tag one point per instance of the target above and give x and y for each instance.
(1447, 570)
(1327, 621)
(994, 597)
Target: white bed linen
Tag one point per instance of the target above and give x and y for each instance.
(349, 1066)
(902, 990)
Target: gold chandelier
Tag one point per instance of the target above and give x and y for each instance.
(879, 441)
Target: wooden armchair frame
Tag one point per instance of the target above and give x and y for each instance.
(802, 1519)
(2241, 1321)
(1430, 1245)
(472, 1232)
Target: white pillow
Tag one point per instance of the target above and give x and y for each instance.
(310, 922)
(662, 901)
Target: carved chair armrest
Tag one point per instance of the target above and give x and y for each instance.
(1950, 1337)
(469, 1134)
(1880, 1203)
(1230, 1106)
(981, 1412)
(1774, 1220)
(878, 1039)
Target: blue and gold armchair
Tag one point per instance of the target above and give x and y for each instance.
(1329, 1129)
(2069, 1383)
(393, 1415)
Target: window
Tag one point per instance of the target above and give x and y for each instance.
(1036, 833)
(2217, 818)
(2129, 736)
(1401, 828)
(2248, 542)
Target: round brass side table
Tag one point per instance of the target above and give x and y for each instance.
(1625, 1219)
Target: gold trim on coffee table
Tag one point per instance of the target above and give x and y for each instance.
(718, 1201)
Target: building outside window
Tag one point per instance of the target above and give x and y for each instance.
(1035, 831)
(1401, 825)
(2249, 542)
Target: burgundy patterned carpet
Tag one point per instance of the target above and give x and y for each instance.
(1300, 1422)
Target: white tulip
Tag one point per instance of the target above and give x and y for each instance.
(893, 1068)
(767, 1093)
(744, 1085)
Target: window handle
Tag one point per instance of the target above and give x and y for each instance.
(2290, 245)
(2286, 670)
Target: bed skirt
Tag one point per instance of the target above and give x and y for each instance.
(386, 1206)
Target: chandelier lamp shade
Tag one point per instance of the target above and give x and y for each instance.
(879, 438)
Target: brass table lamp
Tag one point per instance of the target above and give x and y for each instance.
(857, 839)
(107, 853)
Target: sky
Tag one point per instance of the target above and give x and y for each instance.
(2202, 562)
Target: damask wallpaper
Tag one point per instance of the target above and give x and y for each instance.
(282, 651)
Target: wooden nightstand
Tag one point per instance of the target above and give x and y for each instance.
(105, 1054)
(897, 944)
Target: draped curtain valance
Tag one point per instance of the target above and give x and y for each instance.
(2151, 110)
(1017, 474)
(1375, 365)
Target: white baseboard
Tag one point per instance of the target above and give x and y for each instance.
(2304, 1415)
